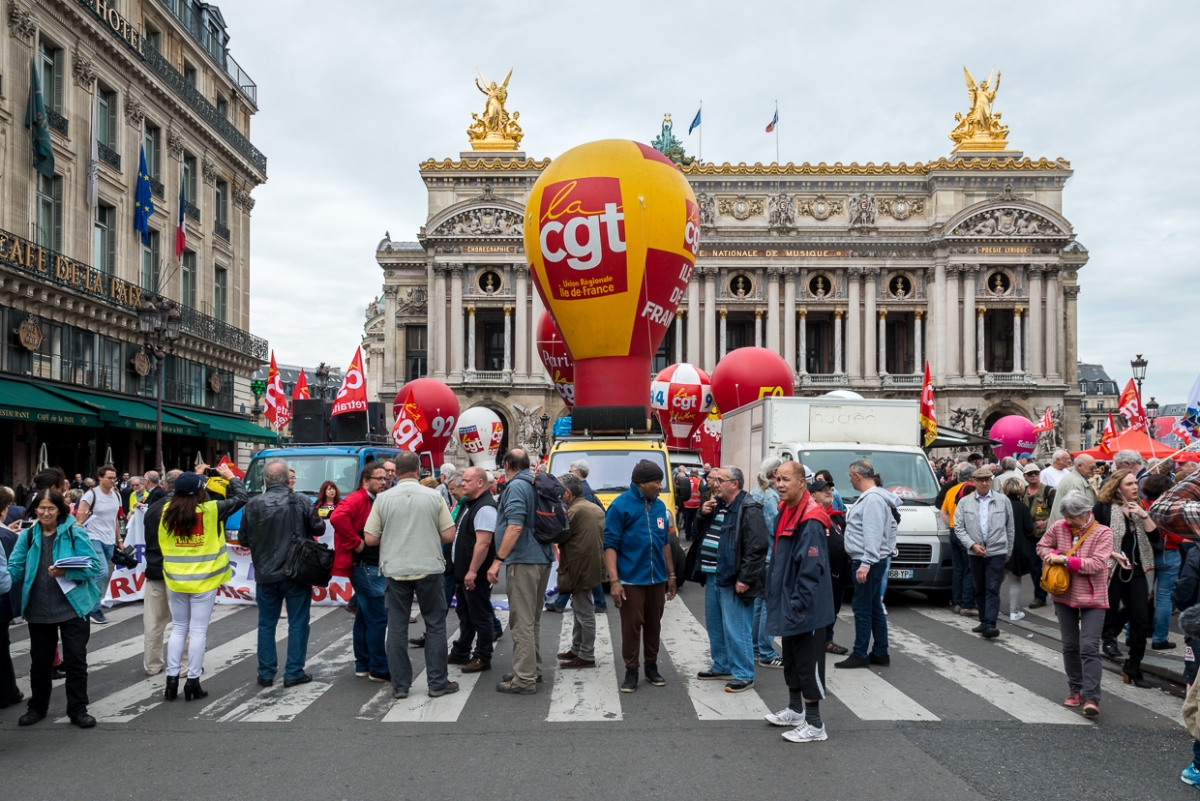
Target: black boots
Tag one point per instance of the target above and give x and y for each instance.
(172, 690)
(191, 689)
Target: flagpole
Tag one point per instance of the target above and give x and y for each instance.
(777, 132)
(700, 155)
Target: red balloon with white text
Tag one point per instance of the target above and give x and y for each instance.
(749, 374)
(426, 412)
(556, 357)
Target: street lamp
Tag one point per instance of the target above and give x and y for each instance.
(322, 374)
(1139, 372)
(545, 420)
(259, 388)
(1152, 415)
(159, 323)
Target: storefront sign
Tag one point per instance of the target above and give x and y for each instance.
(58, 269)
(48, 417)
(121, 27)
(774, 254)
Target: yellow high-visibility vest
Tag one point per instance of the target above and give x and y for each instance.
(196, 561)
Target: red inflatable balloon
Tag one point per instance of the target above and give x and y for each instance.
(681, 396)
(707, 439)
(426, 412)
(749, 374)
(556, 356)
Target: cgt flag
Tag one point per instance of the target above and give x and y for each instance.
(300, 391)
(1109, 436)
(352, 396)
(1046, 423)
(928, 412)
(1130, 407)
(277, 411)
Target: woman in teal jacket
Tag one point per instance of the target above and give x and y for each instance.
(55, 603)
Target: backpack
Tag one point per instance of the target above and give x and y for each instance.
(550, 524)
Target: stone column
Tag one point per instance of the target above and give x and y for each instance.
(789, 321)
(1071, 335)
(391, 351)
(508, 341)
(758, 330)
(710, 318)
(969, 277)
(1036, 334)
(947, 326)
(722, 334)
(693, 322)
(854, 323)
(678, 336)
(773, 316)
(1017, 366)
(1054, 323)
(980, 364)
(870, 278)
(837, 342)
(471, 342)
(802, 366)
(933, 316)
(456, 322)
(918, 344)
(537, 370)
(883, 342)
(521, 368)
(437, 329)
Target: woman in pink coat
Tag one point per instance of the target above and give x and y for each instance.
(1082, 607)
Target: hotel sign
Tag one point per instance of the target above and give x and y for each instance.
(107, 13)
(58, 269)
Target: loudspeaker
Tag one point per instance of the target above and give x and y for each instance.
(308, 422)
(377, 417)
(349, 427)
(610, 420)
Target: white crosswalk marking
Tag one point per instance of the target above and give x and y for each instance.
(687, 643)
(1153, 700)
(137, 699)
(1007, 696)
(870, 697)
(587, 693)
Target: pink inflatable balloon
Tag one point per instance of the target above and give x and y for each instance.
(1015, 434)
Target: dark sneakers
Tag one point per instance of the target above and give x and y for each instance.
(31, 717)
(980, 629)
(508, 687)
(737, 686)
(448, 688)
(509, 677)
(991, 633)
(304, 679)
(882, 661)
(631, 680)
(709, 675)
(653, 676)
(852, 661)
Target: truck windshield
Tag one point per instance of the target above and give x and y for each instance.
(906, 474)
(608, 471)
(311, 473)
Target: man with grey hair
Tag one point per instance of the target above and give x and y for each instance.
(1057, 469)
(580, 468)
(732, 565)
(156, 606)
(580, 569)
(1077, 478)
(1129, 460)
(270, 522)
(448, 473)
(154, 487)
(870, 539)
(1010, 468)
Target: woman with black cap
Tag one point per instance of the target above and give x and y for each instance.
(195, 564)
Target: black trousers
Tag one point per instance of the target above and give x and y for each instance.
(1129, 598)
(475, 614)
(988, 574)
(43, 638)
(9, 693)
(804, 663)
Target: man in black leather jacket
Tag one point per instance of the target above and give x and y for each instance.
(269, 523)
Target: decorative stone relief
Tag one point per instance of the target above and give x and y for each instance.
(782, 211)
(21, 23)
(740, 207)
(482, 222)
(209, 171)
(135, 112)
(708, 209)
(1007, 222)
(820, 208)
(175, 143)
(84, 72)
(414, 301)
(242, 199)
(862, 210)
(901, 208)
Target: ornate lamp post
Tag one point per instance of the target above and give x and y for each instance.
(1139, 372)
(322, 374)
(545, 421)
(159, 322)
(1151, 416)
(259, 388)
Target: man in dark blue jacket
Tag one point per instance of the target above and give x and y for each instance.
(800, 603)
(637, 553)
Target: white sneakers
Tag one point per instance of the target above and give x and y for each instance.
(786, 717)
(1015, 616)
(805, 733)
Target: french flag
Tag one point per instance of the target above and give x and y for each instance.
(180, 224)
(774, 122)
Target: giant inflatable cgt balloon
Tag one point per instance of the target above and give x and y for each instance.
(480, 432)
(749, 374)
(682, 396)
(425, 411)
(556, 356)
(612, 232)
(1015, 434)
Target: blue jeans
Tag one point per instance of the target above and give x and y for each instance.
(962, 586)
(105, 552)
(730, 626)
(370, 621)
(764, 644)
(1166, 570)
(887, 565)
(868, 611)
(271, 598)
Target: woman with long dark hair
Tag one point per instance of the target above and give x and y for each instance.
(55, 601)
(195, 564)
(328, 497)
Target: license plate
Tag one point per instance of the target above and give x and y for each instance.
(900, 574)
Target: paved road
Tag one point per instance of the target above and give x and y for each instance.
(953, 717)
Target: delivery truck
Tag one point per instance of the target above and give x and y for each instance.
(831, 432)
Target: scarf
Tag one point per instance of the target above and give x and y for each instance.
(1141, 542)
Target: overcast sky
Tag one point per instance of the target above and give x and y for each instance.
(355, 94)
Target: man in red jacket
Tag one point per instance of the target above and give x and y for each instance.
(354, 558)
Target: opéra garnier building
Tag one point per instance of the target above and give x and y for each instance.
(856, 274)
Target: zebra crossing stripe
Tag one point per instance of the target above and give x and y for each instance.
(687, 643)
(588, 693)
(870, 697)
(281, 704)
(1151, 700)
(998, 691)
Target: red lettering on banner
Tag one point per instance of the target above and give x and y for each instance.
(340, 592)
(120, 586)
(582, 237)
(139, 580)
(667, 276)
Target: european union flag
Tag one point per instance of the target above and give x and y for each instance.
(695, 123)
(143, 203)
(35, 121)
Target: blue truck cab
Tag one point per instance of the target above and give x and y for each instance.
(314, 465)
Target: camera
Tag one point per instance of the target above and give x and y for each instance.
(211, 472)
(125, 558)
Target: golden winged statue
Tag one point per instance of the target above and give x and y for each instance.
(495, 129)
(980, 128)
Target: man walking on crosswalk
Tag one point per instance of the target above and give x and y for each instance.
(870, 539)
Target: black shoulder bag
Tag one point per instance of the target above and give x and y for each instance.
(308, 561)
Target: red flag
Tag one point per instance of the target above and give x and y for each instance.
(237, 471)
(352, 396)
(277, 411)
(928, 412)
(1046, 424)
(300, 392)
(1130, 407)
(1109, 435)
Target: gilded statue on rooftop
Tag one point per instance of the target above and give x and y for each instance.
(496, 129)
(980, 129)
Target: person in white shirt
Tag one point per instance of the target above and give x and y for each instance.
(98, 513)
(1057, 469)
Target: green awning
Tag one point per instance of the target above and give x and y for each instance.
(22, 401)
(218, 426)
(130, 413)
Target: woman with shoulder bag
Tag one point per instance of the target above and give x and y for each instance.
(55, 602)
(195, 564)
(1075, 552)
